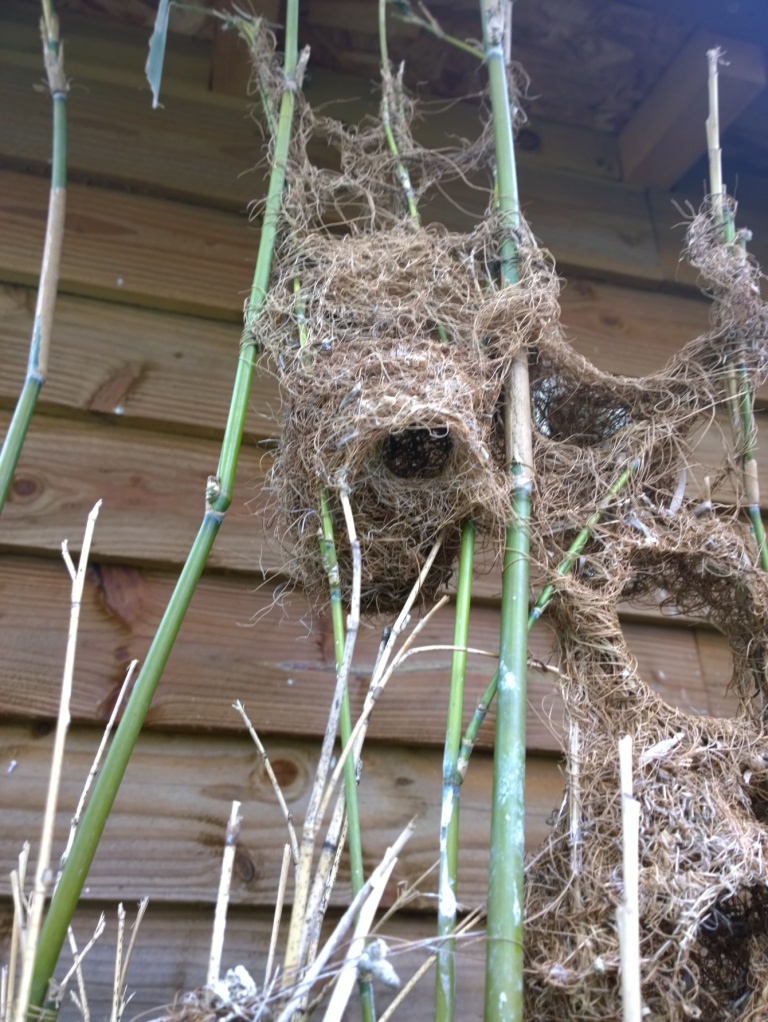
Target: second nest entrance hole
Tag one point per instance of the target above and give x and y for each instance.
(417, 453)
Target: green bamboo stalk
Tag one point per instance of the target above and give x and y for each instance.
(541, 604)
(740, 393)
(504, 954)
(402, 171)
(445, 981)
(218, 498)
(42, 327)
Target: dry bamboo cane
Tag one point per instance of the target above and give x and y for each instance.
(628, 916)
(43, 873)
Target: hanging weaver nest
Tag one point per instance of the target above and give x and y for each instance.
(392, 346)
(702, 784)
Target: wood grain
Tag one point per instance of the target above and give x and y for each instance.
(174, 371)
(142, 366)
(164, 836)
(171, 957)
(153, 488)
(234, 644)
(131, 248)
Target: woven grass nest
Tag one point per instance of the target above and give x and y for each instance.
(392, 346)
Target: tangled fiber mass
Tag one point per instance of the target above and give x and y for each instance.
(392, 344)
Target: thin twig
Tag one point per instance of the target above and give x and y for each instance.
(82, 993)
(42, 872)
(76, 967)
(222, 900)
(95, 765)
(325, 876)
(427, 964)
(373, 694)
(279, 901)
(303, 988)
(287, 815)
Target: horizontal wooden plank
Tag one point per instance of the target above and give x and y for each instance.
(171, 957)
(153, 488)
(67, 465)
(157, 368)
(279, 661)
(202, 145)
(164, 837)
(166, 369)
(131, 248)
(147, 367)
(715, 659)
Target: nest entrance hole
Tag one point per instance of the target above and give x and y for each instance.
(576, 413)
(724, 946)
(417, 453)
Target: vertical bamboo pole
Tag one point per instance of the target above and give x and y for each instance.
(740, 394)
(42, 326)
(504, 955)
(445, 979)
(218, 499)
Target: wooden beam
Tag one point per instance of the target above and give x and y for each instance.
(279, 660)
(153, 483)
(666, 135)
(153, 487)
(164, 836)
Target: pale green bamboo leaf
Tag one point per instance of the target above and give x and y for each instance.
(153, 69)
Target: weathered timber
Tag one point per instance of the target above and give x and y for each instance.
(171, 957)
(149, 368)
(131, 248)
(279, 660)
(163, 254)
(164, 836)
(153, 488)
(142, 475)
(715, 659)
(173, 371)
(224, 135)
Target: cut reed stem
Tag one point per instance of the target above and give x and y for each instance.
(43, 871)
(628, 912)
(222, 898)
